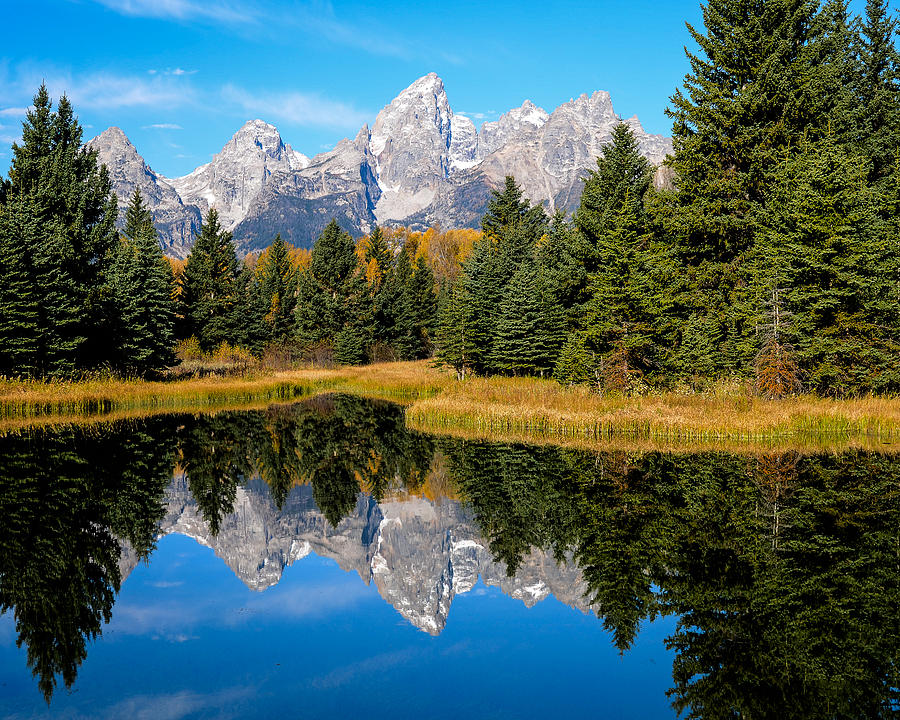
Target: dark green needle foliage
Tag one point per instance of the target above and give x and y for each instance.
(212, 302)
(56, 240)
(276, 291)
(142, 287)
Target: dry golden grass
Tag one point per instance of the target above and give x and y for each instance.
(528, 407)
(26, 400)
(520, 409)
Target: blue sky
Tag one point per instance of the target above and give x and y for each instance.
(181, 76)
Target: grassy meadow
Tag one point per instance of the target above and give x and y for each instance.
(515, 409)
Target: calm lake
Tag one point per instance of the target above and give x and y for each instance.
(321, 560)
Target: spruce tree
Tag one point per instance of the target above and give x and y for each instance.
(622, 177)
(142, 287)
(210, 292)
(377, 249)
(758, 86)
(481, 283)
(276, 286)
(879, 88)
(512, 229)
(419, 310)
(21, 323)
(70, 197)
(507, 209)
(456, 346)
(530, 326)
(833, 261)
(630, 296)
(333, 300)
(564, 257)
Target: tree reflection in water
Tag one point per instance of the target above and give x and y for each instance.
(783, 570)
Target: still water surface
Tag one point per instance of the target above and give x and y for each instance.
(321, 560)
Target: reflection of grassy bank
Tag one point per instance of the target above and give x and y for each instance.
(511, 408)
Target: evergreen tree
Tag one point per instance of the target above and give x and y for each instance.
(57, 181)
(834, 262)
(142, 287)
(377, 250)
(512, 230)
(620, 181)
(630, 297)
(564, 256)
(455, 344)
(879, 89)
(481, 284)
(758, 86)
(333, 299)
(508, 209)
(21, 335)
(629, 292)
(210, 292)
(276, 288)
(530, 326)
(836, 67)
(420, 309)
(387, 278)
(576, 365)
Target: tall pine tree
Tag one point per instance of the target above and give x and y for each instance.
(210, 302)
(64, 198)
(142, 286)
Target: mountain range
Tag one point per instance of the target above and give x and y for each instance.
(419, 554)
(418, 165)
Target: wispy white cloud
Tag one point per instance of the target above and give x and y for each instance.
(476, 115)
(374, 664)
(183, 10)
(103, 90)
(305, 109)
(108, 91)
(315, 18)
(319, 19)
(173, 706)
(162, 126)
(171, 71)
(13, 112)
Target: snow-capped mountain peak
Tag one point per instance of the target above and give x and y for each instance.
(420, 164)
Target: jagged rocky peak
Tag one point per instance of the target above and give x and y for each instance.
(418, 165)
(259, 137)
(175, 222)
(410, 143)
(232, 180)
(510, 127)
(595, 109)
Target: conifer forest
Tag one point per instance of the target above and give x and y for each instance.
(765, 249)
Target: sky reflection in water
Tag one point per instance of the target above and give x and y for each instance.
(323, 560)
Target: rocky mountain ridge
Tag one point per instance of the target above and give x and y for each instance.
(419, 164)
(419, 554)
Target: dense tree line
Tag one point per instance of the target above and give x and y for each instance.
(769, 248)
(77, 295)
(773, 254)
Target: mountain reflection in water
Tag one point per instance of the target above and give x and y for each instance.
(783, 570)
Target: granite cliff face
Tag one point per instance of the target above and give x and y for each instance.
(420, 555)
(233, 179)
(176, 221)
(418, 165)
